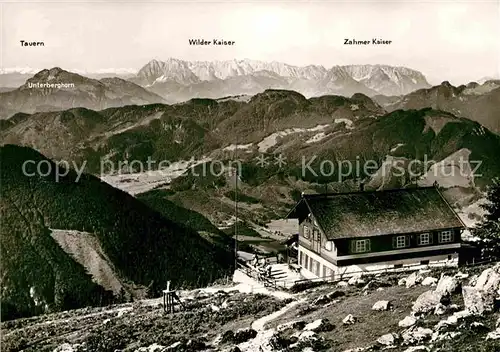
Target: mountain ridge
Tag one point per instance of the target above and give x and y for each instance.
(179, 80)
(192, 72)
(476, 101)
(58, 89)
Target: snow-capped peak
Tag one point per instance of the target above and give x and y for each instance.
(380, 78)
(388, 80)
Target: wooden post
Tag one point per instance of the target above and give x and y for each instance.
(164, 302)
(168, 302)
(172, 303)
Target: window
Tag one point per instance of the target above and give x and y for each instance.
(307, 231)
(445, 236)
(306, 261)
(329, 246)
(301, 259)
(317, 269)
(424, 262)
(316, 235)
(328, 273)
(360, 246)
(398, 266)
(400, 241)
(424, 238)
(314, 266)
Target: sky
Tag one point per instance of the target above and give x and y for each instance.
(446, 40)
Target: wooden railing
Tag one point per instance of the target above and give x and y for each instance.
(285, 283)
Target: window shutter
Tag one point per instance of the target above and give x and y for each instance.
(353, 246)
(394, 241)
(408, 239)
(368, 246)
(431, 237)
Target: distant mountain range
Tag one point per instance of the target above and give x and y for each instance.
(70, 90)
(176, 79)
(332, 126)
(14, 77)
(179, 80)
(477, 102)
(175, 132)
(173, 81)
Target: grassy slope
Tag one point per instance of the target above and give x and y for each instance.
(144, 246)
(144, 323)
(370, 140)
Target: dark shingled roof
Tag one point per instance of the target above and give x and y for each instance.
(366, 214)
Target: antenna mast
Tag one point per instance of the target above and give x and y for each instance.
(236, 207)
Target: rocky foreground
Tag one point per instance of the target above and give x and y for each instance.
(429, 310)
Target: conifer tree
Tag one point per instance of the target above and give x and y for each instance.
(489, 229)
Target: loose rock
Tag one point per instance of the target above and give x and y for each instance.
(426, 302)
(295, 325)
(416, 335)
(244, 335)
(429, 281)
(319, 325)
(440, 309)
(416, 349)
(493, 335)
(407, 322)
(335, 294)
(447, 285)
(388, 339)
(477, 301)
(381, 305)
(349, 320)
(414, 279)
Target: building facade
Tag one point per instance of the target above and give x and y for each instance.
(379, 230)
